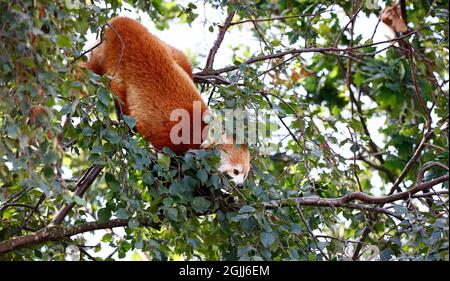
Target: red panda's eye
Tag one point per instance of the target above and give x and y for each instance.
(236, 172)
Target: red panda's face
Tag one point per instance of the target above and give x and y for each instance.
(234, 158)
(235, 162)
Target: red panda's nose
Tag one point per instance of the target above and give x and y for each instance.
(240, 185)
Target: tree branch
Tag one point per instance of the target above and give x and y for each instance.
(351, 21)
(219, 39)
(56, 233)
(365, 233)
(83, 184)
(299, 51)
(344, 200)
(426, 137)
(279, 18)
(305, 222)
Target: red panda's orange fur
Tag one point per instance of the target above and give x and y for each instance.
(152, 79)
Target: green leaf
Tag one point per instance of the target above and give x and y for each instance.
(247, 209)
(130, 121)
(214, 181)
(139, 244)
(296, 229)
(168, 151)
(293, 253)
(98, 149)
(168, 201)
(192, 6)
(172, 213)
(113, 184)
(275, 42)
(87, 131)
(122, 213)
(12, 131)
(200, 204)
(79, 201)
(386, 254)
(202, 175)
(148, 178)
(113, 137)
(163, 161)
(104, 215)
(267, 239)
(104, 96)
(244, 250)
(63, 41)
(107, 237)
(176, 188)
(354, 148)
(190, 182)
(400, 210)
(133, 223)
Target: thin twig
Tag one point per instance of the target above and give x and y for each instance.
(279, 18)
(304, 50)
(35, 208)
(351, 21)
(426, 137)
(299, 210)
(212, 53)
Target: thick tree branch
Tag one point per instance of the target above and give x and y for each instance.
(357, 206)
(86, 180)
(56, 233)
(371, 201)
(344, 200)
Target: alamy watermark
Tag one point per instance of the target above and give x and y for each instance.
(251, 127)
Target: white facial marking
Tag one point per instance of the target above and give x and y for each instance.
(227, 167)
(225, 164)
(239, 178)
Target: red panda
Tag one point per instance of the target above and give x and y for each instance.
(152, 79)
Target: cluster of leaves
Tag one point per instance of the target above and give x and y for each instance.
(57, 120)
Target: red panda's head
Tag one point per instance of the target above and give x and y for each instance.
(234, 160)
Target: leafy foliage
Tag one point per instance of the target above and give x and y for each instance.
(57, 120)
